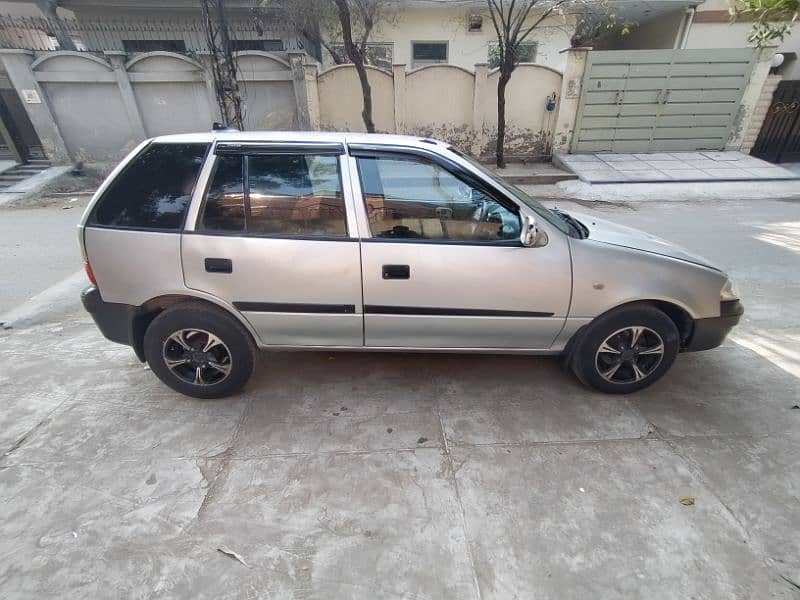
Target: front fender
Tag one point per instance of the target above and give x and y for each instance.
(606, 276)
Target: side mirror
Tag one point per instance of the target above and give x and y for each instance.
(531, 236)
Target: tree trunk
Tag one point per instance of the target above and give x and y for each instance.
(357, 57)
(48, 8)
(366, 94)
(501, 119)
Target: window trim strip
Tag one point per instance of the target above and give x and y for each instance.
(246, 191)
(515, 243)
(323, 148)
(267, 236)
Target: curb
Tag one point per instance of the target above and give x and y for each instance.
(680, 191)
(32, 184)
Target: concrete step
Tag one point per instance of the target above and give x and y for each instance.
(21, 173)
(26, 170)
(533, 173)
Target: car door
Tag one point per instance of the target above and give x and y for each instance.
(272, 239)
(443, 265)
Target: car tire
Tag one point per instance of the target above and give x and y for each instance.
(199, 350)
(626, 350)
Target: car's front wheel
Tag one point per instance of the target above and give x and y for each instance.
(626, 350)
(199, 351)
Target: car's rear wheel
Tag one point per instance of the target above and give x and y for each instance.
(626, 350)
(199, 351)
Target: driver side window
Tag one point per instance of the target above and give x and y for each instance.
(412, 198)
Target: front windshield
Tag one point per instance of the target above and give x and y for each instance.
(517, 194)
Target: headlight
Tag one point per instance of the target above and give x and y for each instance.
(729, 292)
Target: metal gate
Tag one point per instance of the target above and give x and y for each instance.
(779, 139)
(660, 100)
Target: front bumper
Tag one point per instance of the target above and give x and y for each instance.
(115, 321)
(710, 333)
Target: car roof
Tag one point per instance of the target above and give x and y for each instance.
(301, 136)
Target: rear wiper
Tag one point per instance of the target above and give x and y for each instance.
(580, 228)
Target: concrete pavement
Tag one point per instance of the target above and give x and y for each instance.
(418, 476)
(671, 167)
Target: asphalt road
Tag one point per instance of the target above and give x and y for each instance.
(39, 248)
(364, 476)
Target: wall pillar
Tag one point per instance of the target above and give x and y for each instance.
(399, 74)
(751, 96)
(478, 100)
(761, 111)
(17, 64)
(296, 61)
(117, 59)
(312, 95)
(570, 98)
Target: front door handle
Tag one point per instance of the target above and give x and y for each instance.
(219, 265)
(396, 272)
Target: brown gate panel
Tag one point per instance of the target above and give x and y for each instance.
(779, 139)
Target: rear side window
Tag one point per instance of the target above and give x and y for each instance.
(282, 195)
(154, 190)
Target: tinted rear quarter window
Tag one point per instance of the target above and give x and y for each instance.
(154, 190)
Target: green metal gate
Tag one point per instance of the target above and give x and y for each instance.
(660, 100)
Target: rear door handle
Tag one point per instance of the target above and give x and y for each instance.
(219, 265)
(396, 272)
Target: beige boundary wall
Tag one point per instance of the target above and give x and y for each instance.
(445, 102)
(96, 107)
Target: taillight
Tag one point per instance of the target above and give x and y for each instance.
(89, 273)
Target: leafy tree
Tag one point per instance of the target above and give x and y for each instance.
(772, 19)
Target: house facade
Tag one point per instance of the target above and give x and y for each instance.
(137, 26)
(461, 33)
(711, 27)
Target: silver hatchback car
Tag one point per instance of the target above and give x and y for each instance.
(201, 248)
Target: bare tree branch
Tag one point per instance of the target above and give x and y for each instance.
(343, 28)
(356, 55)
(514, 21)
(223, 63)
